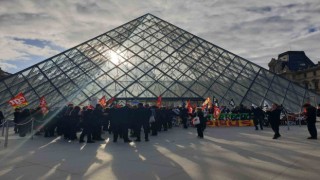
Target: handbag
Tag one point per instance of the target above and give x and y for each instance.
(196, 120)
(152, 119)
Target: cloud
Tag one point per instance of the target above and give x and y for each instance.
(255, 30)
(5, 66)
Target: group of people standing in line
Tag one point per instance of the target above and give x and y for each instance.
(121, 120)
(92, 121)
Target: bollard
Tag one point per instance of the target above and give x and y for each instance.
(288, 123)
(32, 129)
(7, 134)
(299, 120)
(3, 127)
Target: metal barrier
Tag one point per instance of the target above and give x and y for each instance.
(7, 134)
(5, 130)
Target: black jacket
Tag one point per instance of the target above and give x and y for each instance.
(311, 114)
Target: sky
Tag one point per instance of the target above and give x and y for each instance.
(34, 30)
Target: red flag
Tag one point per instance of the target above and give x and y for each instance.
(110, 101)
(103, 101)
(90, 107)
(159, 100)
(189, 107)
(206, 103)
(18, 101)
(43, 105)
(216, 112)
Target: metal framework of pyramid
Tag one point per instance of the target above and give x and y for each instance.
(143, 59)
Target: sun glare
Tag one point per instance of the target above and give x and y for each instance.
(115, 58)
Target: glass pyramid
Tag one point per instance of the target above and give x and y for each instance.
(143, 59)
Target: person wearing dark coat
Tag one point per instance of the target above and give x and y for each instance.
(274, 119)
(143, 116)
(200, 127)
(74, 122)
(87, 123)
(1, 118)
(66, 123)
(125, 123)
(184, 117)
(120, 123)
(50, 122)
(38, 120)
(154, 126)
(258, 116)
(310, 112)
(114, 122)
(24, 123)
(17, 119)
(60, 121)
(97, 122)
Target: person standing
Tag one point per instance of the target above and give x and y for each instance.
(184, 116)
(143, 115)
(258, 116)
(310, 112)
(74, 122)
(1, 118)
(87, 126)
(200, 127)
(274, 119)
(124, 118)
(97, 123)
(17, 119)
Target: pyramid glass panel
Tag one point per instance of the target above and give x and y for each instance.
(146, 58)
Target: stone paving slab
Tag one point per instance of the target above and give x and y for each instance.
(224, 153)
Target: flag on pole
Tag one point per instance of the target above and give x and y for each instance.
(103, 101)
(206, 103)
(43, 105)
(110, 101)
(189, 107)
(231, 103)
(18, 101)
(159, 101)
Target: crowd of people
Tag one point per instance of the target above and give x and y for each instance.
(122, 121)
(93, 121)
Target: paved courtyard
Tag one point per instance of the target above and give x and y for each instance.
(224, 153)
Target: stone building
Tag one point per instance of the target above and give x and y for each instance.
(297, 67)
